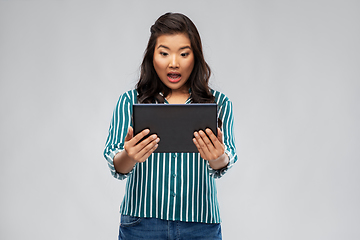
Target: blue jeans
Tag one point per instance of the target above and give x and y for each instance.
(134, 228)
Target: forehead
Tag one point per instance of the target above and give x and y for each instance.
(175, 41)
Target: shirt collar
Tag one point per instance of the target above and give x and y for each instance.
(188, 101)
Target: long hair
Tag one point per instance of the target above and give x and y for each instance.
(149, 85)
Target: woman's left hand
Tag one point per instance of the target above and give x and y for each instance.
(210, 147)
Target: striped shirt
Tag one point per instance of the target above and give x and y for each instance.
(170, 186)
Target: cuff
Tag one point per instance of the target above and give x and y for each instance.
(109, 156)
(220, 172)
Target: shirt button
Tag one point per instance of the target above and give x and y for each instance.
(174, 155)
(174, 175)
(173, 194)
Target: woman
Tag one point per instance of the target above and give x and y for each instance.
(171, 195)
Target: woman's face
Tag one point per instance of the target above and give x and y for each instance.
(173, 60)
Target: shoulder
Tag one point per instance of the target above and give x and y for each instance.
(131, 94)
(220, 98)
(128, 97)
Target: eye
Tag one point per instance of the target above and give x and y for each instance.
(185, 54)
(164, 54)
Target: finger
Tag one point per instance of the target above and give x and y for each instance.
(206, 140)
(217, 148)
(129, 134)
(148, 150)
(139, 136)
(200, 141)
(144, 143)
(215, 140)
(212, 136)
(196, 144)
(138, 151)
(132, 147)
(202, 153)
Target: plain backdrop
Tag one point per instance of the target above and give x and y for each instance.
(291, 69)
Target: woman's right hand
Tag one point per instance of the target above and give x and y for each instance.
(139, 152)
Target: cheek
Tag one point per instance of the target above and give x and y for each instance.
(155, 64)
(189, 65)
(158, 64)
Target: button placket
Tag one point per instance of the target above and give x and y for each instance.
(173, 175)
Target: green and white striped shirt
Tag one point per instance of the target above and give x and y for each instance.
(170, 186)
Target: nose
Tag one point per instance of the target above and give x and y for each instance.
(174, 62)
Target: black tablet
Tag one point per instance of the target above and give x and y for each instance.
(175, 123)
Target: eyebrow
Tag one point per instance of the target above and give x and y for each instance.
(182, 48)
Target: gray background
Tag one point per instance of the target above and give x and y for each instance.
(291, 69)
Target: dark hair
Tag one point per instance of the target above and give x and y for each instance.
(150, 85)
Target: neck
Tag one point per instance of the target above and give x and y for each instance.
(178, 96)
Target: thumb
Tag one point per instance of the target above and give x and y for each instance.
(220, 135)
(129, 134)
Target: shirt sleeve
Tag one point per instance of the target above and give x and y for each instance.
(225, 113)
(120, 122)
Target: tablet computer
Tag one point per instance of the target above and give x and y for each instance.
(175, 123)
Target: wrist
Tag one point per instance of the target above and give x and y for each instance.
(123, 163)
(219, 163)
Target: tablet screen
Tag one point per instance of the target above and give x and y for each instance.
(175, 123)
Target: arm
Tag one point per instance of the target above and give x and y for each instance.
(120, 142)
(224, 146)
(211, 148)
(135, 152)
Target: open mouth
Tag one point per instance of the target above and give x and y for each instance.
(174, 77)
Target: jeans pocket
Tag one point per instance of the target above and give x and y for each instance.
(128, 221)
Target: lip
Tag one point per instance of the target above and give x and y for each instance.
(174, 80)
